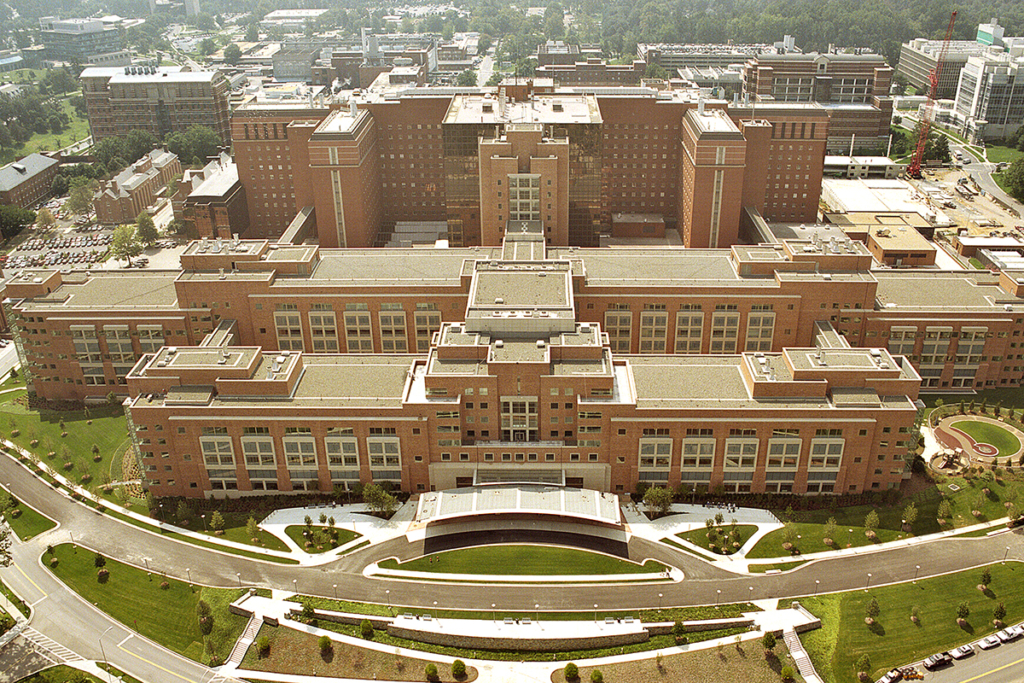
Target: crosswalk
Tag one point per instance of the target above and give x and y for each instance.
(51, 649)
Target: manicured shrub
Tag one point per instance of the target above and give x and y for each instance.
(325, 644)
(458, 668)
(102, 575)
(786, 673)
(263, 646)
(596, 676)
(54, 561)
(366, 629)
(572, 672)
(431, 672)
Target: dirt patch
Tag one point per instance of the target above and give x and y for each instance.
(295, 652)
(733, 662)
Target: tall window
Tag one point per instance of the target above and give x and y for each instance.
(358, 335)
(760, 328)
(519, 420)
(343, 459)
(653, 331)
(689, 331)
(300, 456)
(524, 197)
(655, 459)
(427, 322)
(724, 330)
(619, 326)
(902, 340)
(698, 460)
(385, 458)
(323, 328)
(393, 337)
(151, 338)
(289, 330)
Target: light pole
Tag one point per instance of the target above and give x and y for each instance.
(102, 652)
(493, 613)
(336, 593)
(718, 598)
(387, 593)
(595, 612)
(238, 575)
(917, 568)
(1006, 554)
(295, 586)
(72, 538)
(205, 530)
(816, 583)
(146, 560)
(660, 596)
(188, 571)
(868, 584)
(536, 611)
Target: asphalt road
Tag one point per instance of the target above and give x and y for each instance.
(1003, 664)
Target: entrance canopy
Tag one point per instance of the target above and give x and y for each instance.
(519, 500)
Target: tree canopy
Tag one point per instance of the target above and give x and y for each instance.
(13, 220)
(125, 243)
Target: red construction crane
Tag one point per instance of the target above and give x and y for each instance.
(914, 170)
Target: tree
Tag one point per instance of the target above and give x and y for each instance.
(252, 34)
(431, 671)
(871, 521)
(378, 500)
(656, 71)
(986, 577)
(466, 79)
(458, 668)
(207, 47)
(184, 512)
(205, 616)
(768, 642)
(999, 613)
(910, 515)
(59, 186)
(873, 610)
(5, 546)
(945, 509)
(658, 498)
(125, 243)
(571, 671)
(232, 54)
(44, 219)
(13, 220)
(216, 521)
(251, 528)
(863, 664)
(963, 610)
(1013, 179)
(80, 195)
(596, 676)
(831, 528)
(325, 644)
(145, 228)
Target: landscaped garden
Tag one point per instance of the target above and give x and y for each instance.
(523, 560)
(318, 539)
(909, 621)
(23, 520)
(720, 538)
(295, 652)
(988, 433)
(165, 610)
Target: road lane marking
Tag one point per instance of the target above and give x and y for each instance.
(176, 675)
(130, 636)
(30, 580)
(33, 604)
(988, 673)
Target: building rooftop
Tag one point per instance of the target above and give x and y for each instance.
(519, 499)
(115, 290)
(924, 290)
(353, 380)
(14, 174)
(360, 267)
(560, 108)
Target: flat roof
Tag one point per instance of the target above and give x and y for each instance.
(352, 380)
(114, 289)
(436, 506)
(924, 290)
(528, 288)
(559, 108)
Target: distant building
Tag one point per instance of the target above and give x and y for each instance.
(160, 100)
(122, 198)
(27, 181)
(214, 200)
(594, 71)
(845, 166)
(853, 86)
(294, 18)
(557, 52)
(675, 56)
(990, 96)
(78, 40)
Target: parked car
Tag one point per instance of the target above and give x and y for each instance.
(1008, 634)
(937, 660)
(989, 642)
(891, 677)
(961, 652)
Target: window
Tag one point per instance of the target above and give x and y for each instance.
(689, 331)
(826, 453)
(385, 457)
(902, 341)
(323, 328)
(760, 328)
(393, 337)
(217, 451)
(783, 453)
(724, 331)
(289, 330)
(427, 322)
(740, 453)
(258, 450)
(299, 450)
(653, 331)
(619, 326)
(358, 336)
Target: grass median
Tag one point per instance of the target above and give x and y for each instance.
(896, 640)
(728, 537)
(523, 560)
(139, 600)
(320, 539)
(26, 522)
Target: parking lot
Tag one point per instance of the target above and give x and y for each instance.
(997, 658)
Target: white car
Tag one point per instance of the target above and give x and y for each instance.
(1008, 634)
(989, 643)
(961, 652)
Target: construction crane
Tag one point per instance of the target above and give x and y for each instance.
(914, 170)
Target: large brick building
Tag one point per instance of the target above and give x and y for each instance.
(428, 151)
(453, 354)
(27, 181)
(159, 100)
(122, 198)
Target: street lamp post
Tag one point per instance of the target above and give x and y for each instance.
(72, 538)
(917, 569)
(494, 616)
(595, 612)
(817, 582)
(1006, 554)
(238, 575)
(336, 592)
(387, 593)
(868, 584)
(718, 598)
(188, 571)
(204, 523)
(660, 596)
(536, 611)
(295, 586)
(102, 652)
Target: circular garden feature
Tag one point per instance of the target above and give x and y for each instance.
(986, 437)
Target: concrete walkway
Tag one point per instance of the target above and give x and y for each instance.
(771, 619)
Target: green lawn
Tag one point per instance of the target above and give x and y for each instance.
(895, 639)
(234, 530)
(699, 537)
(166, 616)
(108, 431)
(998, 154)
(9, 594)
(77, 129)
(523, 560)
(994, 435)
(59, 674)
(341, 537)
(810, 537)
(29, 523)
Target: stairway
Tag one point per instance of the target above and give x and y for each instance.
(244, 641)
(800, 657)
